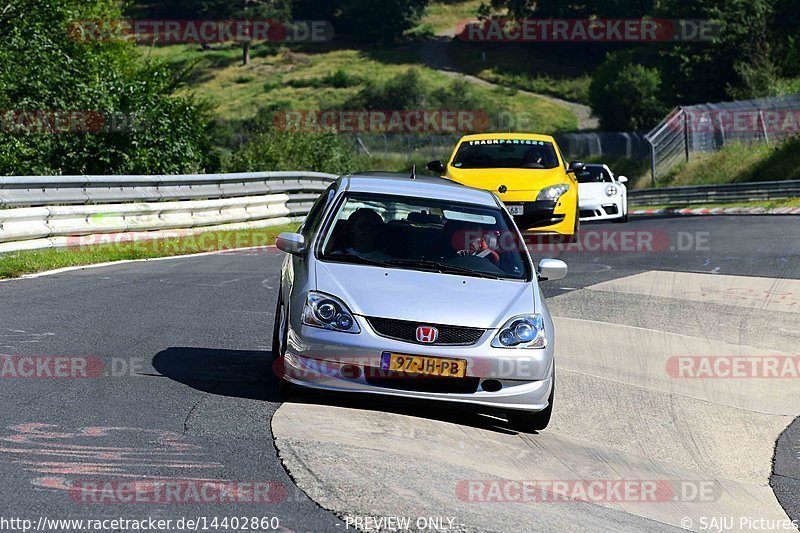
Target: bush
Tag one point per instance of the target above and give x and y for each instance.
(45, 69)
(276, 150)
(626, 94)
(404, 91)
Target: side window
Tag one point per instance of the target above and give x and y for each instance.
(314, 217)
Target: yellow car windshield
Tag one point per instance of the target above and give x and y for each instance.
(506, 153)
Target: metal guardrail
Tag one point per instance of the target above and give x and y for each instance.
(712, 194)
(58, 209)
(68, 190)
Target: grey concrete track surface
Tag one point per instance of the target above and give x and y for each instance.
(623, 412)
(189, 394)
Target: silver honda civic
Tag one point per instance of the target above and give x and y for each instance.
(420, 288)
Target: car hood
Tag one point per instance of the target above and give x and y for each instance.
(426, 297)
(592, 190)
(515, 179)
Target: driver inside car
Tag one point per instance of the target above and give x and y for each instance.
(471, 239)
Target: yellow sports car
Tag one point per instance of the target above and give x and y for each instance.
(527, 171)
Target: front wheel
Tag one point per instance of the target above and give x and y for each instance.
(622, 219)
(279, 336)
(530, 422)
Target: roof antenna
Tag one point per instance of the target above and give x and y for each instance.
(414, 172)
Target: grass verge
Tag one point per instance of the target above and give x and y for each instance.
(737, 163)
(15, 264)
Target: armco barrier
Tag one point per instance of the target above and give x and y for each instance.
(57, 208)
(713, 194)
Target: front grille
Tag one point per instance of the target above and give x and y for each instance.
(611, 209)
(417, 383)
(403, 330)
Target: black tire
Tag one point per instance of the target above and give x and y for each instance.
(622, 219)
(531, 422)
(278, 337)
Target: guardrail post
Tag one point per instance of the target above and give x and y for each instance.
(685, 133)
(763, 126)
(652, 162)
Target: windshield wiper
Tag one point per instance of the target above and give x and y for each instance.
(351, 258)
(442, 268)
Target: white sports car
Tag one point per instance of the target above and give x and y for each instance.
(601, 195)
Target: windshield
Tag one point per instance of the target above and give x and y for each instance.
(593, 175)
(506, 153)
(424, 234)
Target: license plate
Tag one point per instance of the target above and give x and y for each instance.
(516, 210)
(428, 366)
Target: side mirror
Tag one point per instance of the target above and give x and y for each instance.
(622, 179)
(291, 243)
(552, 270)
(436, 166)
(575, 166)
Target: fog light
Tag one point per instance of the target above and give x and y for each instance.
(491, 385)
(344, 321)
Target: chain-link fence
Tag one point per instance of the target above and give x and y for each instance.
(709, 127)
(575, 146)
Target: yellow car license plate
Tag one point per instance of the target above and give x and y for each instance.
(420, 364)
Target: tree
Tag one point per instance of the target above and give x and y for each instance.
(279, 11)
(367, 21)
(154, 131)
(626, 94)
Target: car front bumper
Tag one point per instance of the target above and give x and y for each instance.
(325, 360)
(546, 216)
(601, 209)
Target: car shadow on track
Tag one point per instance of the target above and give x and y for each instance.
(236, 373)
(249, 374)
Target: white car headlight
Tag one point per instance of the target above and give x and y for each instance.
(328, 312)
(553, 193)
(611, 190)
(524, 331)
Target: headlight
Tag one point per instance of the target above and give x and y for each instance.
(526, 331)
(328, 312)
(611, 190)
(553, 193)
